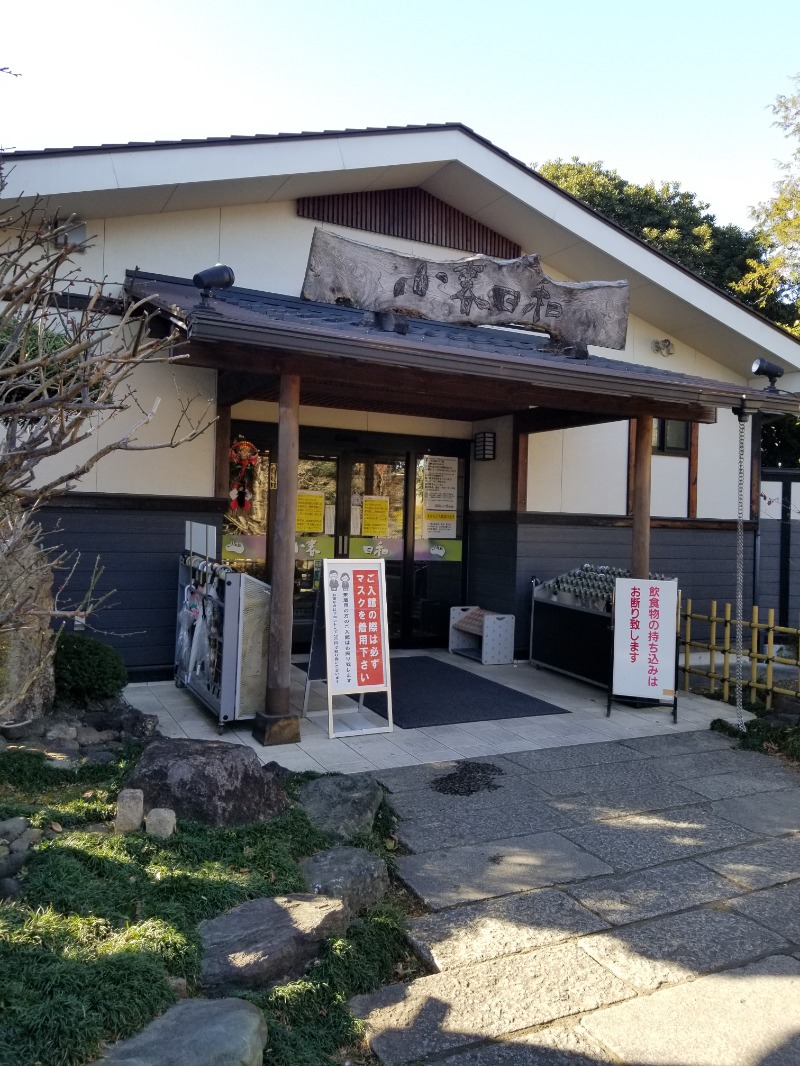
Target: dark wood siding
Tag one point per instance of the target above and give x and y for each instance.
(410, 213)
(505, 556)
(138, 548)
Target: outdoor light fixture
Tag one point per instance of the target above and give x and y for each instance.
(483, 445)
(663, 347)
(763, 368)
(216, 277)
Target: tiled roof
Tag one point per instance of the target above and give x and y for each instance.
(255, 138)
(287, 323)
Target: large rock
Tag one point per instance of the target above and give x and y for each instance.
(267, 940)
(197, 1032)
(341, 806)
(211, 782)
(353, 875)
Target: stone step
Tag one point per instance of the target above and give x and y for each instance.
(458, 1009)
(498, 868)
(747, 1017)
(479, 932)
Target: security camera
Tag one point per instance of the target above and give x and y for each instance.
(763, 368)
(216, 277)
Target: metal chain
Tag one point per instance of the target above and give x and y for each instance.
(739, 584)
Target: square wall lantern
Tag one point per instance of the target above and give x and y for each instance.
(483, 445)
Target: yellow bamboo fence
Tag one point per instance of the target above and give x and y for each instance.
(761, 642)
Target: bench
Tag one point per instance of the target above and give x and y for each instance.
(484, 636)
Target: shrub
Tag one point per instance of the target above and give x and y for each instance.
(87, 669)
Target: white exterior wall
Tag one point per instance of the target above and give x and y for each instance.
(266, 245)
(669, 496)
(771, 497)
(358, 421)
(575, 471)
(579, 471)
(184, 471)
(718, 468)
(569, 468)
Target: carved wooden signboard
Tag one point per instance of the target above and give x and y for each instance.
(477, 290)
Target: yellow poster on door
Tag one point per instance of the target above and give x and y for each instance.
(375, 516)
(310, 512)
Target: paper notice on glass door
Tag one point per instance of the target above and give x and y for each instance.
(439, 496)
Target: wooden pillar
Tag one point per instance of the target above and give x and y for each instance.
(222, 460)
(278, 724)
(640, 548)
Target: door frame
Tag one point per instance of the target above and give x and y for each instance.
(356, 445)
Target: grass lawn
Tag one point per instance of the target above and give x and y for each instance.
(104, 921)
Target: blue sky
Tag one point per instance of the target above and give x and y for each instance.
(670, 92)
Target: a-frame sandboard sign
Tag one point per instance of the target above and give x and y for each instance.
(353, 638)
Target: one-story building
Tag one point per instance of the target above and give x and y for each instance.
(539, 441)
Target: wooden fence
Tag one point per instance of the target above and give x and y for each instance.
(762, 640)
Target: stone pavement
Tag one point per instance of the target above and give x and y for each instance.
(182, 715)
(635, 901)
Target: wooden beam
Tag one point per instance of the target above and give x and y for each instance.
(545, 419)
(755, 467)
(694, 442)
(278, 725)
(519, 469)
(640, 546)
(336, 382)
(222, 448)
(631, 464)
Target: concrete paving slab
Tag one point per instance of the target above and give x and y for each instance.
(412, 778)
(744, 1017)
(516, 815)
(498, 868)
(724, 786)
(669, 950)
(560, 1044)
(680, 743)
(776, 908)
(650, 893)
(450, 1011)
(708, 763)
(770, 862)
(482, 931)
(771, 815)
(496, 790)
(590, 780)
(579, 755)
(642, 840)
(624, 800)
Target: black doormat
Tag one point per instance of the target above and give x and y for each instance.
(427, 691)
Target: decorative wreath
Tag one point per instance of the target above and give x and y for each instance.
(244, 460)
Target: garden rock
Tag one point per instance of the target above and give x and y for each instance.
(266, 940)
(69, 738)
(197, 1032)
(17, 836)
(341, 806)
(160, 823)
(10, 888)
(25, 840)
(210, 782)
(130, 810)
(352, 875)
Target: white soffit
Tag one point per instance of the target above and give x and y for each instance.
(448, 162)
